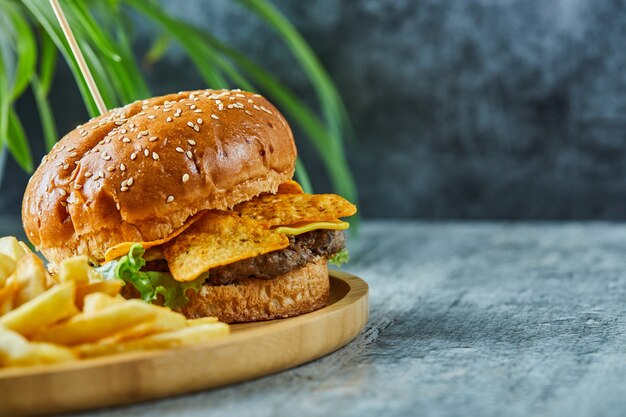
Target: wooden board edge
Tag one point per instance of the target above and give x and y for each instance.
(353, 307)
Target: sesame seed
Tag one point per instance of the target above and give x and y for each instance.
(87, 174)
(122, 167)
(125, 140)
(248, 112)
(78, 186)
(169, 199)
(101, 174)
(133, 156)
(155, 156)
(230, 106)
(199, 121)
(153, 138)
(191, 142)
(250, 100)
(117, 205)
(266, 110)
(146, 152)
(130, 181)
(124, 183)
(106, 157)
(180, 150)
(190, 124)
(62, 192)
(73, 155)
(193, 106)
(169, 119)
(124, 189)
(123, 131)
(185, 178)
(189, 154)
(151, 116)
(66, 166)
(220, 106)
(198, 110)
(196, 128)
(111, 168)
(214, 116)
(256, 107)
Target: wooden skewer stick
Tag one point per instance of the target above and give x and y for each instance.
(82, 64)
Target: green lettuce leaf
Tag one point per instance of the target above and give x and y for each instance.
(149, 284)
(340, 258)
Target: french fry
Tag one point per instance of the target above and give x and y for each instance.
(45, 319)
(165, 320)
(86, 328)
(48, 308)
(75, 269)
(16, 350)
(7, 267)
(6, 295)
(96, 301)
(47, 353)
(185, 336)
(11, 247)
(135, 332)
(201, 320)
(24, 247)
(168, 320)
(31, 277)
(109, 287)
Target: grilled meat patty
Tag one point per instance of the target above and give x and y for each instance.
(302, 249)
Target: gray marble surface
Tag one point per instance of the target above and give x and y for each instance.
(466, 319)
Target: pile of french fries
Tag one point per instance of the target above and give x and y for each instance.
(75, 314)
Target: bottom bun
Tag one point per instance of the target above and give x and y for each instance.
(296, 292)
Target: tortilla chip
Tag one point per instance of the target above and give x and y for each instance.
(122, 249)
(220, 238)
(287, 209)
(290, 187)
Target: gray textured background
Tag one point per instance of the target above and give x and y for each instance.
(463, 108)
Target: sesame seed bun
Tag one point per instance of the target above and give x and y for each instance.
(138, 173)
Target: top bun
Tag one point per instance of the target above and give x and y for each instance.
(137, 173)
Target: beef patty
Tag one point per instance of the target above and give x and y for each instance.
(302, 249)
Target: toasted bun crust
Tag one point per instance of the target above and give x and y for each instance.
(296, 292)
(137, 173)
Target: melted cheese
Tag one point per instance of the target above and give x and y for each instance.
(307, 227)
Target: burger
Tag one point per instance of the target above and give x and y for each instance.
(188, 199)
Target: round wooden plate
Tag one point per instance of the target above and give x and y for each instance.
(251, 351)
